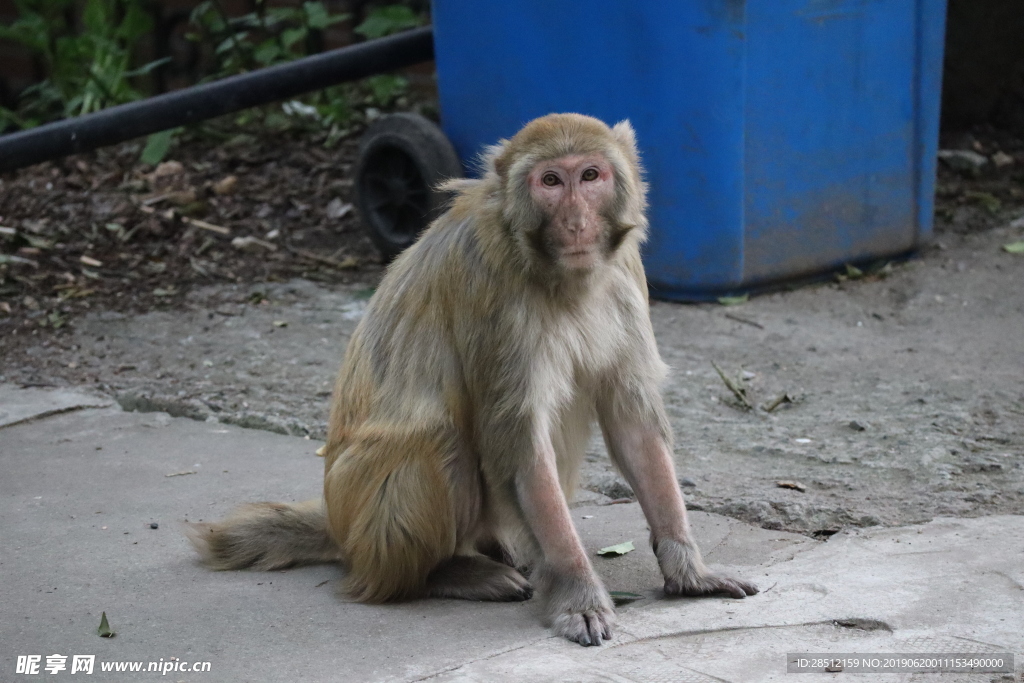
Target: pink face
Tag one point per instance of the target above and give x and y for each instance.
(572, 191)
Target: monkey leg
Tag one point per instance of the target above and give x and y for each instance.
(578, 606)
(390, 509)
(475, 577)
(642, 454)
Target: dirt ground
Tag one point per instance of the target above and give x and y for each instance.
(905, 389)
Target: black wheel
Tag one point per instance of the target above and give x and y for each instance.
(402, 157)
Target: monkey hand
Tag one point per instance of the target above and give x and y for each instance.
(579, 608)
(686, 574)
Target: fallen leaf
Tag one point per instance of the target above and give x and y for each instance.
(987, 200)
(733, 300)
(157, 146)
(785, 484)
(280, 323)
(1014, 247)
(776, 402)
(225, 185)
(621, 598)
(1001, 159)
(348, 262)
(617, 550)
(104, 630)
(338, 209)
(322, 451)
(168, 168)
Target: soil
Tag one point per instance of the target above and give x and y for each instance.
(900, 393)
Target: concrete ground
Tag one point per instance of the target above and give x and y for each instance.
(907, 386)
(91, 501)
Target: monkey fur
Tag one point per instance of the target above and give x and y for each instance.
(468, 391)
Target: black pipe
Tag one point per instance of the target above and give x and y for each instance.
(201, 102)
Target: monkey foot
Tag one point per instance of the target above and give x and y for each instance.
(592, 627)
(478, 578)
(709, 584)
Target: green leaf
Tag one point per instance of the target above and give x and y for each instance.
(267, 52)
(293, 35)
(386, 87)
(383, 21)
(617, 550)
(733, 300)
(157, 146)
(136, 23)
(230, 42)
(1014, 247)
(316, 15)
(146, 68)
(853, 272)
(104, 630)
(94, 16)
(621, 598)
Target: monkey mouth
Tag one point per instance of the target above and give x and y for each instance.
(579, 257)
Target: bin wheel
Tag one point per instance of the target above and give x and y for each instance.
(402, 157)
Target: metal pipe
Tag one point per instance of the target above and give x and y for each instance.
(201, 102)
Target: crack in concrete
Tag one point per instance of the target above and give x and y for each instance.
(729, 629)
(51, 413)
(479, 659)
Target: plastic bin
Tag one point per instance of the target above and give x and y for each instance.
(781, 137)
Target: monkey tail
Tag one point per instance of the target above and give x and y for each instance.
(266, 536)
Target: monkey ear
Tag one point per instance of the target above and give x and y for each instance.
(497, 156)
(625, 136)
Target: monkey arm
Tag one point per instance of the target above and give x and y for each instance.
(642, 454)
(578, 604)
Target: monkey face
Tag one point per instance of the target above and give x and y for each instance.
(573, 193)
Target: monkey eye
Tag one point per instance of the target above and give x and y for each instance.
(590, 174)
(550, 179)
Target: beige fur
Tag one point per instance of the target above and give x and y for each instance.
(468, 391)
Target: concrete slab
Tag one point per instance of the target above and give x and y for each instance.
(19, 405)
(79, 491)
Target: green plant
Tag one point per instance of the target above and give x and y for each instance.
(265, 36)
(87, 63)
(271, 35)
(387, 19)
(382, 21)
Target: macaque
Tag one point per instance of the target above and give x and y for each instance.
(468, 391)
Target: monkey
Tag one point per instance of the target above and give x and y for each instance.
(468, 391)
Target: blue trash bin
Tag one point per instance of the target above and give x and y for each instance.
(781, 137)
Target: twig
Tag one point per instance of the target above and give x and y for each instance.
(737, 390)
(347, 264)
(155, 199)
(203, 225)
(740, 319)
(6, 258)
